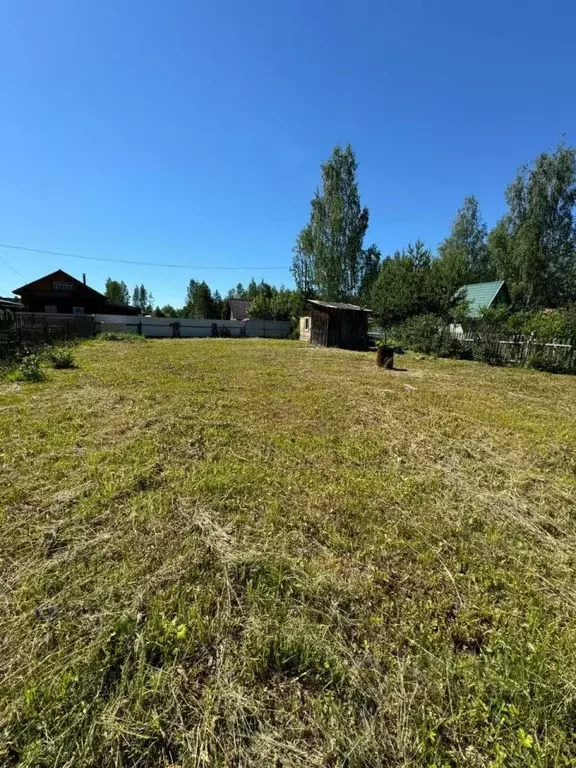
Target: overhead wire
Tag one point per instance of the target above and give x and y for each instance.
(136, 263)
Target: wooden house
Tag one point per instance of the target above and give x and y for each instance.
(59, 292)
(338, 325)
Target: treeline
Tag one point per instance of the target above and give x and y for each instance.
(267, 301)
(533, 246)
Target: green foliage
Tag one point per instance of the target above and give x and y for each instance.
(553, 361)
(546, 326)
(487, 350)
(143, 299)
(405, 285)
(121, 336)
(168, 311)
(199, 302)
(370, 270)
(534, 245)
(420, 333)
(117, 291)
(219, 307)
(29, 369)
(238, 292)
(303, 262)
(464, 256)
(328, 256)
(280, 305)
(60, 357)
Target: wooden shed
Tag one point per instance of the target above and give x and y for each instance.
(338, 325)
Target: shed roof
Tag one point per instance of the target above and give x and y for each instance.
(239, 308)
(338, 305)
(480, 295)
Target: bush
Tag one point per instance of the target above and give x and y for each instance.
(487, 351)
(421, 333)
(30, 369)
(120, 336)
(542, 361)
(451, 346)
(60, 357)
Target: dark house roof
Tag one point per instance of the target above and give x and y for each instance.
(337, 305)
(483, 295)
(239, 308)
(62, 289)
(59, 274)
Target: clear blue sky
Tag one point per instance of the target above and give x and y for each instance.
(192, 133)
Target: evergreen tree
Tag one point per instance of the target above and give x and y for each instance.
(142, 299)
(464, 254)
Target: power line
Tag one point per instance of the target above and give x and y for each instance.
(135, 263)
(12, 268)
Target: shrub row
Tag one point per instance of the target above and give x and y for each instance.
(429, 335)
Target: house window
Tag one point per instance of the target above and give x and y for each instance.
(77, 310)
(50, 308)
(307, 324)
(62, 285)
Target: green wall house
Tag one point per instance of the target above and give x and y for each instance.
(483, 295)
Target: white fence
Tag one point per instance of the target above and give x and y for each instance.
(184, 327)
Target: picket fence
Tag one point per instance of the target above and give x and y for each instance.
(517, 348)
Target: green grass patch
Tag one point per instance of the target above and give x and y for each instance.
(258, 553)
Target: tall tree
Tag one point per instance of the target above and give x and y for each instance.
(220, 306)
(190, 298)
(534, 244)
(464, 254)
(303, 262)
(198, 301)
(143, 299)
(116, 291)
(336, 230)
(371, 268)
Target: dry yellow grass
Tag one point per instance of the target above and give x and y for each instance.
(257, 553)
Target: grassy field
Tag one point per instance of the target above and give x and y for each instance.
(255, 553)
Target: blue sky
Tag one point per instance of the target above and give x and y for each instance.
(192, 133)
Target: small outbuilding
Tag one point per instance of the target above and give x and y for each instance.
(338, 325)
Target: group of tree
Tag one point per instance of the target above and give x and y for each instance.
(533, 246)
(266, 301)
(116, 291)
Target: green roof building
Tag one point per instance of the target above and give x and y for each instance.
(483, 295)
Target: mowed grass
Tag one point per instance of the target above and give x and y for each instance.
(257, 553)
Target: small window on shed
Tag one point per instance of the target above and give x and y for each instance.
(51, 308)
(307, 324)
(62, 285)
(77, 310)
